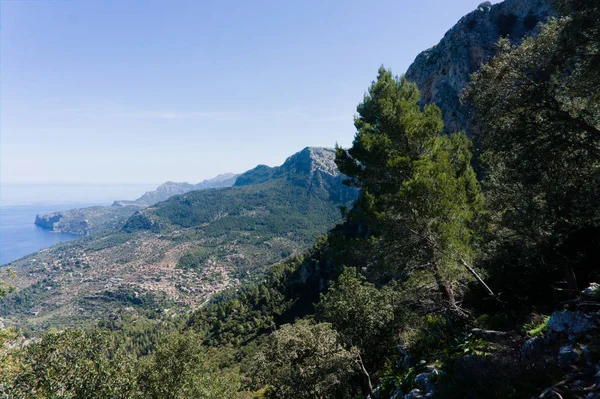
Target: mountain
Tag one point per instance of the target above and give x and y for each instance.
(442, 72)
(299, 288)
(302, 193)
(168, 189)
(106, 218)
(174, 255)
(295, 289)
(308, 163)
(371, 309)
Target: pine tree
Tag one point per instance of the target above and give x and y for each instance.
(419, 191)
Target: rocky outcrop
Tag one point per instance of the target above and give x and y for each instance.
(315, 168)
(303, 164)
(443, 71)
(306, 162)
(86, 220)
(572, 342)
(48, 221)
(312, 167)
(571, 323)
(312, 160)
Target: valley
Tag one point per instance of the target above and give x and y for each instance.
(173, 256)
(450, 251)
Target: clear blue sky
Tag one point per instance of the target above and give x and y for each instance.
(156, 90)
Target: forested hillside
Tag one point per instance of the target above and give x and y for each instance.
(170, 258)
(439, 281)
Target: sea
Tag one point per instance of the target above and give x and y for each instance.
(20, 203)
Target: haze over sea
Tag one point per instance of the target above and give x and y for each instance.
(20, 203)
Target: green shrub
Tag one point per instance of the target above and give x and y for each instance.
(538, 326)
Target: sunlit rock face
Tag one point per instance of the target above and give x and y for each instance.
(442, 72)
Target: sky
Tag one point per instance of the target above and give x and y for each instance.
(146, 91)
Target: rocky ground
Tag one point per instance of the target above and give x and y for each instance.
(566, 348)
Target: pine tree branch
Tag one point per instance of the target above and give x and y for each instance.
(474, 273)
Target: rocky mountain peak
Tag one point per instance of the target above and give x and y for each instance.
(220, 178)
(301, 165)
(442, 72)
(312, 159)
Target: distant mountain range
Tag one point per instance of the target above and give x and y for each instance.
(169, 189)
(177, 253)
(105, 218)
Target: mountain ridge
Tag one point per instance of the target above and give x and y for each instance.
(170, 188)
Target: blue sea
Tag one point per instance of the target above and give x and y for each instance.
(20, 237)
(20, 203)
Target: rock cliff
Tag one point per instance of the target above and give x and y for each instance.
(312, 167)
(86, 220)
(442, 72)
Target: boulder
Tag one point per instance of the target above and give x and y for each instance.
(568, 355)
(414, 394)
(533, 349)
(592, 290)
(426, 381)
(571, 323)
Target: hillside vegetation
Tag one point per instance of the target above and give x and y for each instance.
(438, 282)
(170, 258)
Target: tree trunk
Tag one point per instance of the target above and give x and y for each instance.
(571, 281)
(366, 373)
(444, 286)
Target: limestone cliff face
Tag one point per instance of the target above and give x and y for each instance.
(48, 221)
(442, 72)
(315, 168)
(312, 160)
(312, 167)
(303, 164)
